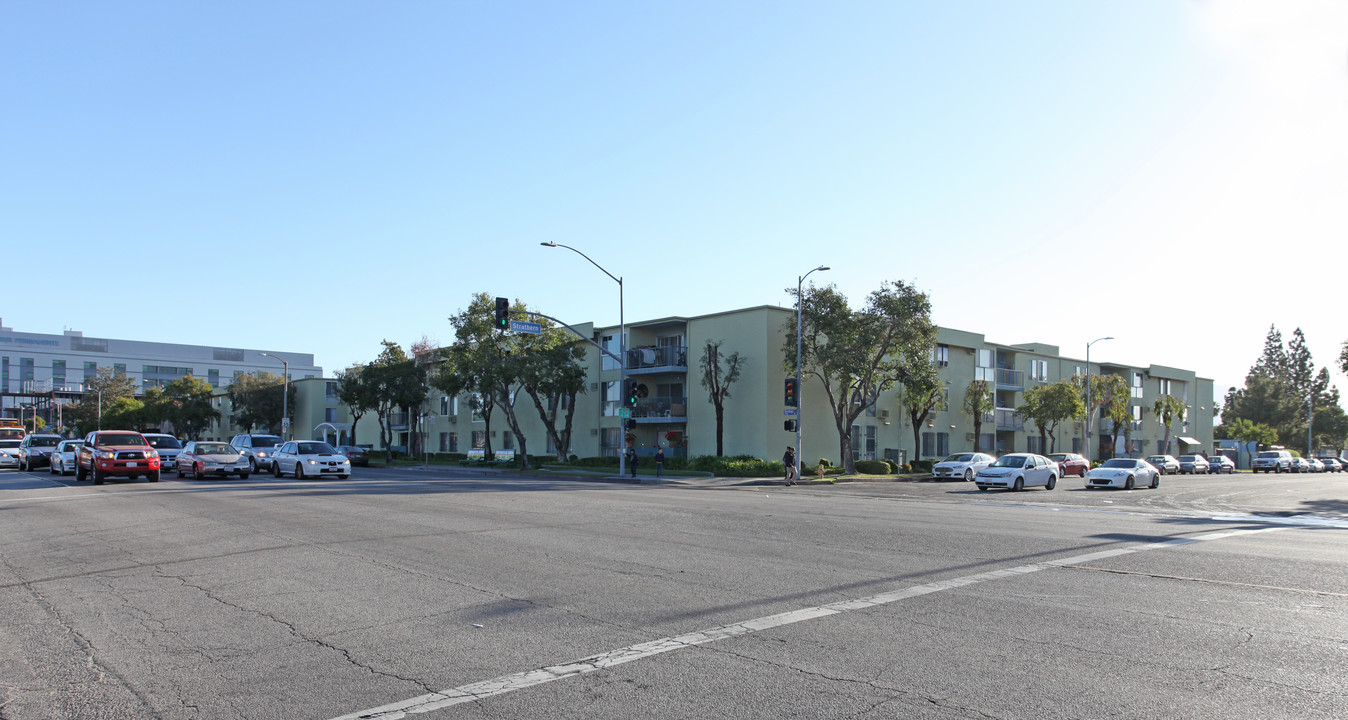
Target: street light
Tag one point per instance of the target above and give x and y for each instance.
(285, 394)
(800, 404)
(1089, 412)
(622, 348)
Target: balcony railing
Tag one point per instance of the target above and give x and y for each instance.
(657, 357)
(652, 407)
(1010, 378)
(1008, 419)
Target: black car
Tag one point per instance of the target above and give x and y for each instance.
(357, 455)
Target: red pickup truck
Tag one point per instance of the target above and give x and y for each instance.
(116, 453)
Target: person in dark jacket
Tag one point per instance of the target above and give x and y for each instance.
(632, 460)
(789, 460)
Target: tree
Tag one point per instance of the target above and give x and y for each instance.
(257, 400)
(717, 377)
(1168, 410)
(978, 402)
(1048, 405)
(1343, 358)
(921, 395)
(553, 376)
(186, 405)
(398, 381)
(1245, 432)
(1115, 406)
(356, 390)
(125, 413)
(1331, 428)
(101, 391)
(1266, 400)
(856, 355)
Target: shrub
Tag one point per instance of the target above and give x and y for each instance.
(923, 466)
(905, 469)
(893, 466)
(825, 462)
(873, 467)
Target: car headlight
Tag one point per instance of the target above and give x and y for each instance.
(262, 453)
(311, 461)
(105, 454)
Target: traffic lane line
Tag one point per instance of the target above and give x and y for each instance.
(530, 678)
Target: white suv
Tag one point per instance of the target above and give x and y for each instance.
(1274, 461)
(257, 448)
(167, 446)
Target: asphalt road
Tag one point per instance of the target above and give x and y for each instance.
(463, 595)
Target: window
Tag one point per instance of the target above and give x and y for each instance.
(330, 388)
(943, 402)
(611, 441)
(928, 444)
(870, 442)
(1033, 445)
(507, 440)
(330, 415)
(58, 372)
(476, 403)
(119, 368)
(479, 439)
(942, 444)
(26, 369)
(1137, 417)
(940, 355)
(1076, 445)
(444, 405)
(1039, 370)
(213, 377)
(1137, 384)
(984, 371)
(444, 442)
(856, 442)
(609, 343)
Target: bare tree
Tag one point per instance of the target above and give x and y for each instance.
(717, 377)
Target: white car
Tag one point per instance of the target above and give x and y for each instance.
(1019, 471)
(200, 459)
(961, 466)
(1299, 465)
(9, 453)
(167, 446)
(309, 458)
(1126, 473)
(63, 457)
(1316, 465)
(1193, 464)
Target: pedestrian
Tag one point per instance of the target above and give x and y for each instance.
(632, 460)
(789, 460)
(660, 461)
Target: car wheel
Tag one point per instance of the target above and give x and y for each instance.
(1128, 484)
(341, 477)
(1155, 481)
(968, 476)
(299, 470)
(1052, 482)
(153, 477)
(179, 468)
(98, 477)
(79, 472)
(197, 472)
(275, 468)
(1020, 484)
(252, 463)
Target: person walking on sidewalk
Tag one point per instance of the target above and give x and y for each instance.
(632, 460)
(660, 461)
(789, 460)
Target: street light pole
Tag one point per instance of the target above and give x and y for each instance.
(285, 394)
(800, 404)
(622, 349)
(1089, 411)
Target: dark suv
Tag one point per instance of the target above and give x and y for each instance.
(116, 453)
(35, 450)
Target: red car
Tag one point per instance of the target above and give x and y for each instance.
(1071, 464)
(116, 453)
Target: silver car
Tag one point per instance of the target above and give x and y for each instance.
(9, 453)
(309, 458)
(63, 457)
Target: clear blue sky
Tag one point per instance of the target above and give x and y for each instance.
(318, 176)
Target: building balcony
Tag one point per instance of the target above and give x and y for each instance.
(1009, 419)
(1008, 379)
(653, 410)
(669, 358)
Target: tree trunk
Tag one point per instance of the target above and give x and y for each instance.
(978, 434)
(720, 429)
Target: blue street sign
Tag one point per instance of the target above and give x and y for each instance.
(526, 327)
(791, 412)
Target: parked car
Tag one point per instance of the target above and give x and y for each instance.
(1221, 464)
(1167, 464)
(116, 453)
(1332, 464)
(167, 446)
(62, 461)
(1071, 464)
(35, 450)
(199, 459)
(1274, 461)
(357, 455)
(9, 453)
(309, 458)
(1316, 466)
(1018, 471)
(1193, 465)
(257, 448)
(961, 466)
(1126, 473)
(1299, 465)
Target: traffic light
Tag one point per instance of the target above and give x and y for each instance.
(792, 400)
(502, 314)
(630, 393)
(789, 425)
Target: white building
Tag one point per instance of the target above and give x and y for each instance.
(42, 369)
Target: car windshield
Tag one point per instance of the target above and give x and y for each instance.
(40, 441)
(164, 443)
(70, 445)
(215, 449)
(121, 439)
(1120, 463)
(266, 441)
(1268, 454)
(1156, 458)
(963, 457)
(9, 443)
(1188, 458)
(1011, 461)
(1058, 457)
(315, 448)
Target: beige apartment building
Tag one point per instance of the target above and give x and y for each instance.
(675, 412)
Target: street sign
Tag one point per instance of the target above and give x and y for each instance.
(526, 327)
(791, 412)
(624, 413)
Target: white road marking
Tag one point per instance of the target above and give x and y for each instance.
(529, 678)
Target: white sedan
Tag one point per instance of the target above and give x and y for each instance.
(63, 457)
(961, 466)
(309, 458)
(1126, 473)
(9, 453)
(1019, 471)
